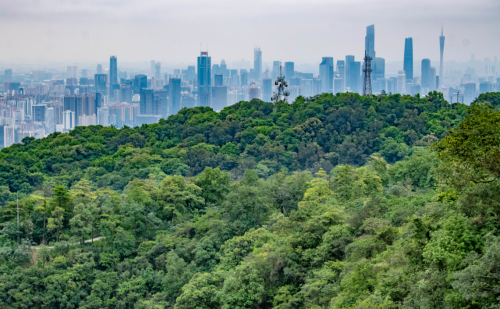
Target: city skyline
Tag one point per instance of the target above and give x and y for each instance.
(82, 31)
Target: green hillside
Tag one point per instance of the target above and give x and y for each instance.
(331, 202)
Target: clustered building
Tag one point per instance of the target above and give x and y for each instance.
(41, 102)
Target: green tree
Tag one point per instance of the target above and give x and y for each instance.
(214, 184)
(56, 222)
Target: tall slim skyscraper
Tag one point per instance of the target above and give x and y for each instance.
(113, 71)
(100, 81)
(257, 63)
(347, 80)
(289, 70)
(441, 50)
(425, 77)
(401, 83)
(378, 68)
(408, 60)
(99, 69)
(204, 79)
(370, 41)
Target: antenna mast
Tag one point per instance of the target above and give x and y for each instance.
(367, 85)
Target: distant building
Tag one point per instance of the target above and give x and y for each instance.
(257, 63)
(174, 95)
(113, 71)
(147, 103)
(153, 66)
(219, 98)
(204, 79)
(276, 70)
(158, 70)
(140, 82)
(426, 75)
(267, 89)
(469, 93)
(99, 69)
(441, 52)
(326, 74)
(8, 75)
(355, 76)
(347, 69)
(243, 78)
(289, 70)
(68, 120)
(378, 68)
(408, 59)
(100, 81)
(370, 41)
(401, 83)
(253, 92)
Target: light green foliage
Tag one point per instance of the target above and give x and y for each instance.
(328, 202)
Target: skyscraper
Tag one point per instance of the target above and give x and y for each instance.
(370, 41)
(153, 64)
(267, 89)
(401, 84)
(8, 75)
(174, 95)
(158, 70)
(425, 77)
(378, 68)
(347, 79)
(326, 74)
(100, 81)
(146, 103)
(204, 79)
(276, 69)
(113, 71)
(355, 76)
(289, 70)
(441, 50)
(99, 69)
(253, 92)
(257, 63)
(408, 60)
(218, 80)
(140, 82)
(75, 71)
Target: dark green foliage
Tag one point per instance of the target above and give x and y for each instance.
(330, 202)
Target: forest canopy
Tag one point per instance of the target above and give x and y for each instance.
(334, 201)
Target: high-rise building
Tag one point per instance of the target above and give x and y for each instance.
(158, 70)
(432, 79)
(289, 70)
(408, 60)
(8, 75)
(140, 82)
(204, 79)
(191, 73)
(425, 77)
(218, 80)
(267, 89)
(469, 93)
(243, 77)
(484, 87)
(113, 70)
(253, 92)
(68, 120)
(153, 65)
(174, 95)
(75, 71)
(338, 85)
(147, 102)
(276, 70)
(99, 69)
(257, 63)
(441, 52)
(378, 68)
(370, 41)
(347, 71)
(355, 76)
(100, 81)
(401, 83)
(326, 74)
(219, 97)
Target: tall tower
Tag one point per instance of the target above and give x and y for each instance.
(257, 63)
(367, 85)
(408, 60)
(204, 79)
(441, 47)
(370, 41)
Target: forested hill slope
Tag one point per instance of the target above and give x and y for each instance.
(340, 202)
(320, 132)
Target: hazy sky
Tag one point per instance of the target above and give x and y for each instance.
(289, 30)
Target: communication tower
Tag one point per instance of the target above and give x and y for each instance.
(367, 85)
(280, 93)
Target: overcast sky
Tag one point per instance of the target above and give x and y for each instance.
(289, 30)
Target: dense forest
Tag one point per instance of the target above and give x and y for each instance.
(334, 201)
